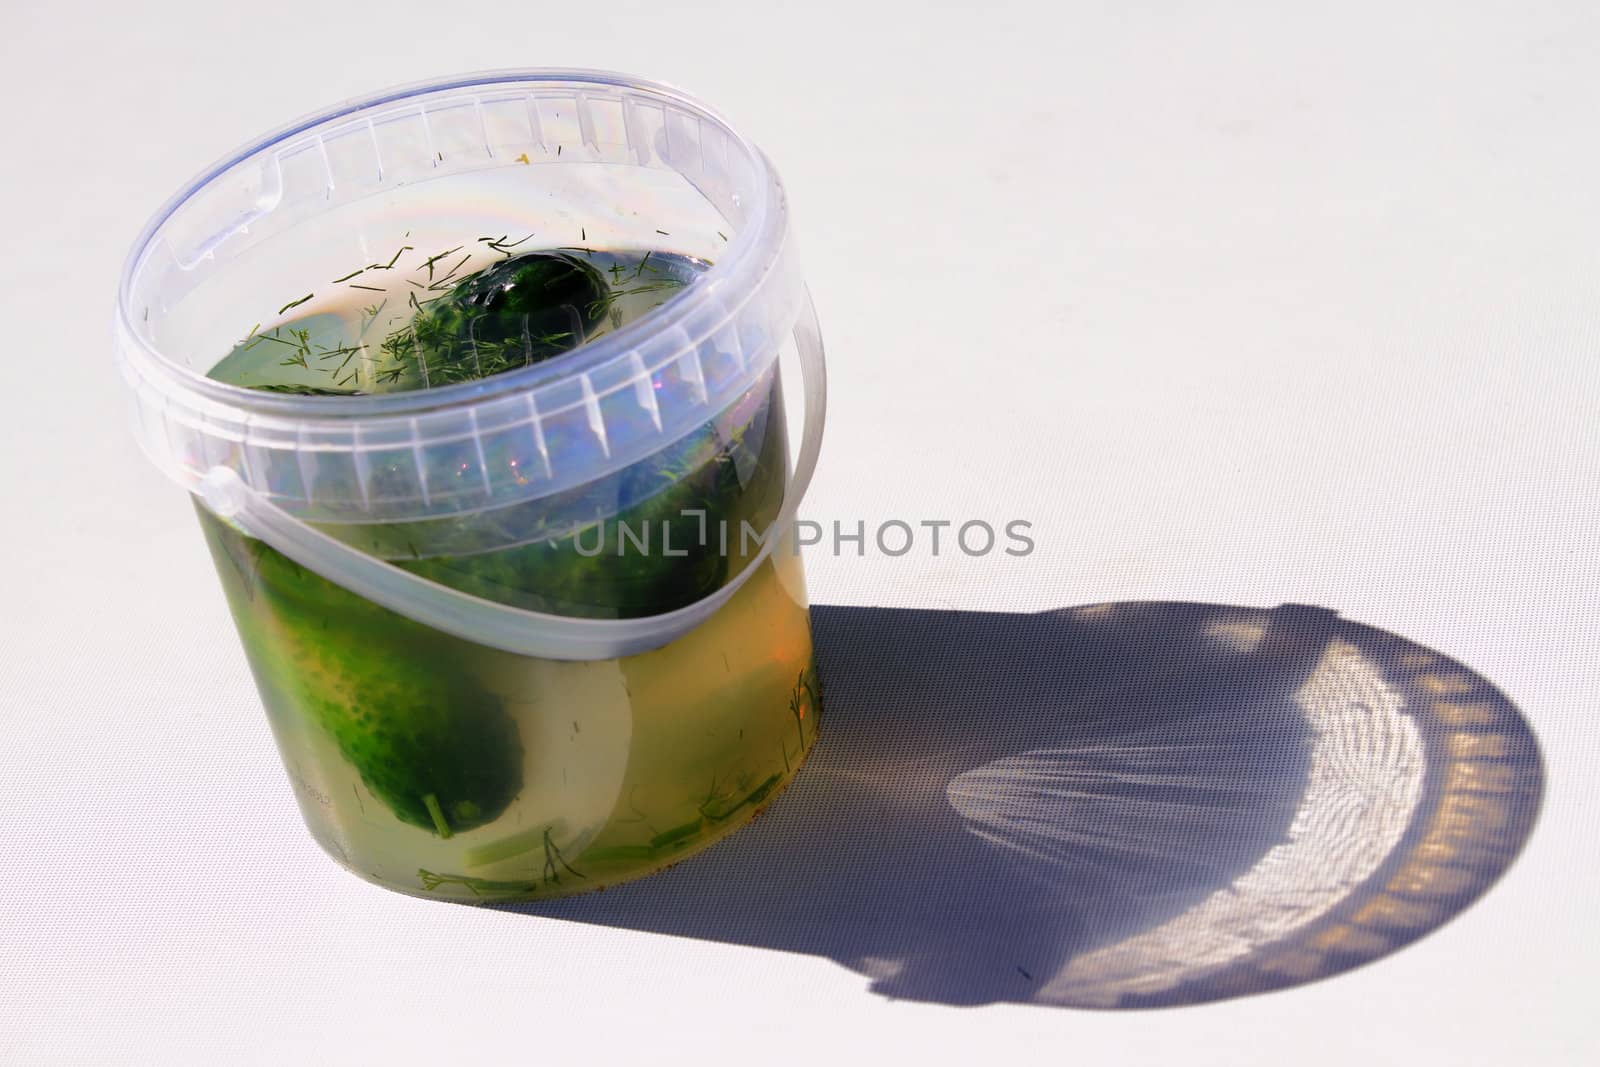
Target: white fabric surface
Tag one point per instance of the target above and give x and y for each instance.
(1248, 305)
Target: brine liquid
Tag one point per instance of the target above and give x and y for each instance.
(440, 767)
(627, 765)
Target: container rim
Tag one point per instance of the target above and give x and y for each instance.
(746, 259)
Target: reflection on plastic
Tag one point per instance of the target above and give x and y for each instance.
(1118, 806)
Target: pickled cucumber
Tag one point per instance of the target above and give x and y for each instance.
(435, 747)
(428, 741)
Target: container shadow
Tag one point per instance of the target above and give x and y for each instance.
(1117, 806)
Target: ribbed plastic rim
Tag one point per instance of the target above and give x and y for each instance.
(751, 253)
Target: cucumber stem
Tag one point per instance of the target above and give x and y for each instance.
(436, 813)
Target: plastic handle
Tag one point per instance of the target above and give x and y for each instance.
(526, 633)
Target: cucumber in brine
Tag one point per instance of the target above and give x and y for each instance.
(439, 750)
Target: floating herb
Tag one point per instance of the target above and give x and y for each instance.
(553, 857)
(431, 260)
(474, 321)
(501, 245)
(392, 260)
(480, 887)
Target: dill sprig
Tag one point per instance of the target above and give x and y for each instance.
(301, 346)
(369, 315)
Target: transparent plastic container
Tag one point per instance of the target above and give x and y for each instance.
(485, 683)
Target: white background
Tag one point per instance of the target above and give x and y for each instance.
(1249, 304)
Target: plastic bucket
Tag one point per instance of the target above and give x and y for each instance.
(522, 633)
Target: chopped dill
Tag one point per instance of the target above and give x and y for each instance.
(501, 245)
(393, 259)
(431, 260)
(274, 338)
(473, 323)
(305, 390)
(445, 280)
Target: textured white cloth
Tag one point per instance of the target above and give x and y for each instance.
(1268, 304)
